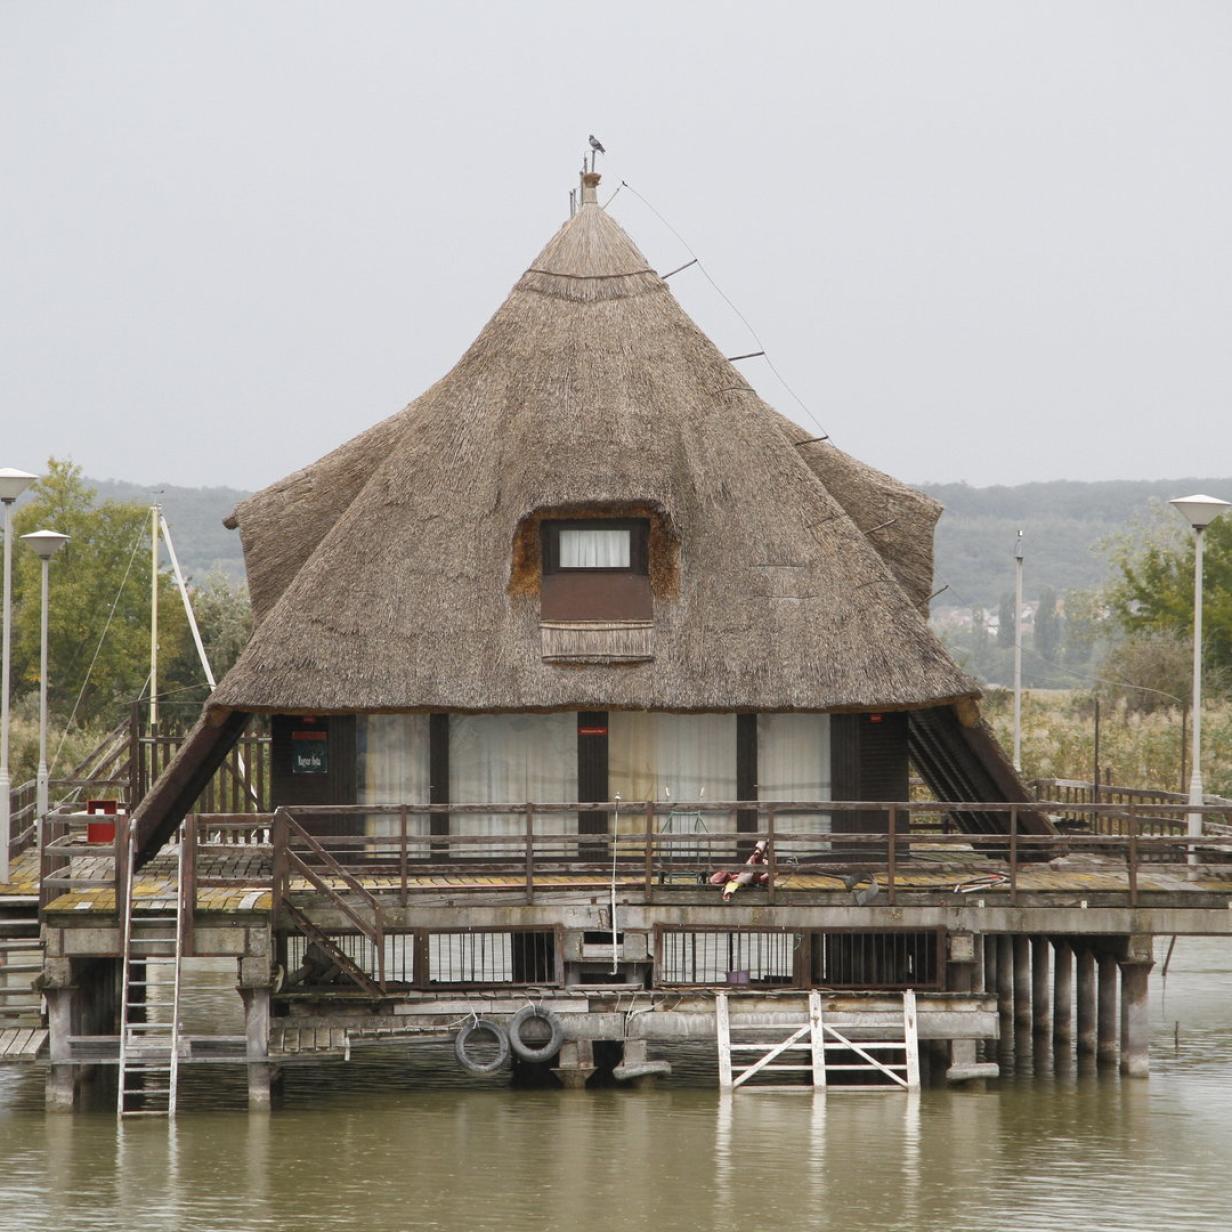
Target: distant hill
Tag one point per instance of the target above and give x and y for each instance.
(195, 517)
(1065, 522)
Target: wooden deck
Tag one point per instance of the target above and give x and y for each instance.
(248, 874)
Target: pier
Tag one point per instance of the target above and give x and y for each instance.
(343, 940)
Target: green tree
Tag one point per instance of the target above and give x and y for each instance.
(979, 630)
(1155, 591)
(1047, 626)
(98, 627)
(224, 617)
(1084, 621)
(1005, 622)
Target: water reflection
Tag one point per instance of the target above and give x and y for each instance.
(399, 1139)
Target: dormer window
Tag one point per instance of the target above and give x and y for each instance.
(594, 596)
(596, 546)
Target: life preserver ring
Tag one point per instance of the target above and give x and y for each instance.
(544, 1052)
(467, 1061)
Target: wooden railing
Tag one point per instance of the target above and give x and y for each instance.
(1072, 800)
(365, 859)
(240, 785)
(368, 869)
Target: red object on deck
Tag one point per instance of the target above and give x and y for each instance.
(101, 831)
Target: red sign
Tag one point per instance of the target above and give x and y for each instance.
(592, 731)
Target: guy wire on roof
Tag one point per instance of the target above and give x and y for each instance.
(701, 265)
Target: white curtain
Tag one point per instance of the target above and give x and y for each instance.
(678, 757)
(393, 767)
(511, 759)
(594, 549)
(793, 763)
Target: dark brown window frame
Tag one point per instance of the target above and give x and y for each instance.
(639, 543)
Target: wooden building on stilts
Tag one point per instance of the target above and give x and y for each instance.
(593, 681)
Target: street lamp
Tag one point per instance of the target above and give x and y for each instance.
(12, 484)
(1018, 654)
(46, 543)
(1199, 512)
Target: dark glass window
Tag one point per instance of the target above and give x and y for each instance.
(596, 545)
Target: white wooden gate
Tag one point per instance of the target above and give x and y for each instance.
(746, 1050)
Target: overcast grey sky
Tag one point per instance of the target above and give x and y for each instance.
(982, 241)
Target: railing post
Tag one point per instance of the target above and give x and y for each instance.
(772, 860)
(1133, 855)
(891, 852)
(1014, 855)
(188, 882)
(123, 855)
(402, 855)
(530, 853)
(278, 839)
(134, 757)
(648, 855)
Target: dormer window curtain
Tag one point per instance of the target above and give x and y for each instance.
(596, 545)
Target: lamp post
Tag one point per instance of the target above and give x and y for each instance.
(1199, 512)
(1018, 654)
(46, 543)
(12, 484)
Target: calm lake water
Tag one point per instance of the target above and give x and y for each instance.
(397, 1140)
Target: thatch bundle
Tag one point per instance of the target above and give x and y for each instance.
(382, 576)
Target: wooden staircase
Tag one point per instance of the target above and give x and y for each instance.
(821, 1049)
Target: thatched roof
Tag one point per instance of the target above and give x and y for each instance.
(382, 579)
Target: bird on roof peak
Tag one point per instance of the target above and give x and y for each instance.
(596, 148)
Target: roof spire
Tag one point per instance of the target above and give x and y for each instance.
(590, 186)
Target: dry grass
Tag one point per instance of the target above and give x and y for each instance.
(1136, 749)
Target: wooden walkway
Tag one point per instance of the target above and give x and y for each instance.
(22, 1043)
(248, 875)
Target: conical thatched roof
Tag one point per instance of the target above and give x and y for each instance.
(392, 574)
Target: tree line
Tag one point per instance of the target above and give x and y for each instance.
(99, 619)
(1132, 637)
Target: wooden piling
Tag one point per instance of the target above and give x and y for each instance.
(1085, 964)
(1005, 980)
(1041, 987)
(1022, 981)
(1062, 993)
(1135, 1024)
(1107, 1011)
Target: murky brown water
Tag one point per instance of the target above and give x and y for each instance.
(398, 1140)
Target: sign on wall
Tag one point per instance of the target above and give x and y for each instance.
(309, 752)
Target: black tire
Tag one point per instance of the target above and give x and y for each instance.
(547, 1051)
(467, 1061)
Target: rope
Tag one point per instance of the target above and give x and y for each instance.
(81, 693)
(726, 299)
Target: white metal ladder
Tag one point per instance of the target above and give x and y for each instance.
(817, 1039)
(150, 1047)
